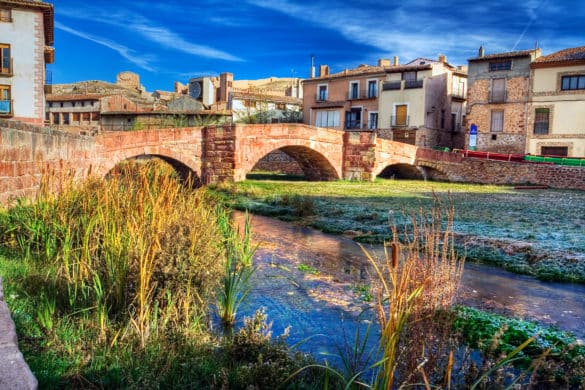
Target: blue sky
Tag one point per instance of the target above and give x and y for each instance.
(167, 41)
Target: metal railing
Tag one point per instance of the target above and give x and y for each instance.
(401, 121)
(411, 84)
(362, 95)
(321, 97)
(349, 125)
(459, 93)
(391, 85)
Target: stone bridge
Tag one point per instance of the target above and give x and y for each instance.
(219, 153)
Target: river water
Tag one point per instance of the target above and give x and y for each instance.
(324, 310)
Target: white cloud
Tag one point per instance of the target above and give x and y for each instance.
(129, 54)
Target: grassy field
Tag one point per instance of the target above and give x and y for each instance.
(535, 232)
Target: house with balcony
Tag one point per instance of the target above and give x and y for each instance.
(26, 40)
(423, 102)
(497, 99)
(556, 114)
(344, 100)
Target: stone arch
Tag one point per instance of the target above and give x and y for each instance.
(403, 171)
(314, 165)
(434, 173)
(185, 173)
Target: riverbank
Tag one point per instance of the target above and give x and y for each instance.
(535, 232)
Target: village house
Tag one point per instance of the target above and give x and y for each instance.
(26, 40)
(556, 115)
(269, 100)
(497, 99)
(423, 102)
(344, 100)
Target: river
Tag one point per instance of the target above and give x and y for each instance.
(324, 309)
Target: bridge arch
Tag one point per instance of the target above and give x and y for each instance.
(185, 173)
(413, 172)
(314, 165)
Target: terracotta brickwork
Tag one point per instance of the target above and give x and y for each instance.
(227, 153)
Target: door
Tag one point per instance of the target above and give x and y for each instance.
(401, 117)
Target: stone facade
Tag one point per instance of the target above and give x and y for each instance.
(499, 112)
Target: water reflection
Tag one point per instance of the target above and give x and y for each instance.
(326, 307)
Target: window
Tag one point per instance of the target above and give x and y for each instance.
(561, 151)
(498, 90)
(541, 120)
(327, 119)
(55, 118)
(354, 90)
(500, 65)
(373, 122)
(372, 88)
(5, 67)
(5, 102)
(409, 76)
(95, 116)
(76, 117)
(85, 116)
(570, 83)
(5, 15)
(65, 118)
(322, 94)
(497, 121)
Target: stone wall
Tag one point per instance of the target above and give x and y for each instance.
(280, 162)
(14, 372)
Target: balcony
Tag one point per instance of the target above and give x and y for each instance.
(459, 94)
(391, 85)
(321, 97)
(6, 108)
(362, 95)
(399, 121)
(353, 125)
(411, 84)
(6, 67)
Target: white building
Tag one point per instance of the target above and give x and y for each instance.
(26, 39)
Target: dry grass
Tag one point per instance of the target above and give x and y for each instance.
(416, 280)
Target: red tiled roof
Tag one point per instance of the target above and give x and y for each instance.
(73, 97)
(510, 54)
(571, 54)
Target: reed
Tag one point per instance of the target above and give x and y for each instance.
(417, 278)
(126, 249)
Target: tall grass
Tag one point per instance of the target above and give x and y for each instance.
(417, 279)
(138, 253)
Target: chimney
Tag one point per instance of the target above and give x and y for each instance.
(481, 52)
(395, 60)
(312, 66)
(225, 86)
(383, 62)
(442, 58)
(323, 70)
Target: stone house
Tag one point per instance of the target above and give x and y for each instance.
(497, 99)
(556, 114)
(26, 40)
(344, 100)
(423, 103)
(257, 101)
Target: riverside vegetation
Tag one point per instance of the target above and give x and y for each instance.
(115, 284)
(539, 233)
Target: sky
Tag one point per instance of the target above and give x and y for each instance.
(168, 41)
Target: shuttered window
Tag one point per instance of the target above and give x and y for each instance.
(497, 121)
(498, 90)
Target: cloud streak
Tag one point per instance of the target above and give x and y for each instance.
(124, 51)
(149, 30)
